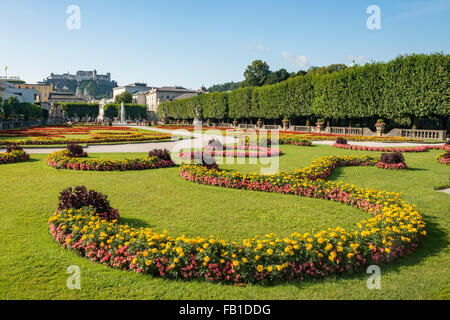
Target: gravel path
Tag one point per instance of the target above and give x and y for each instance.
(199, 141)
(445, 190)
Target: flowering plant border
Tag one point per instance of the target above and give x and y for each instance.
(64, 160)
(442, 159)
(237, 151)
(389, 149)
(395, 229)
(14, 156)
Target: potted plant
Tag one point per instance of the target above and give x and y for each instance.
(235, 123)
(259, 123)
(380, 126)
(320, 123)
(208, 123)
(285, 123)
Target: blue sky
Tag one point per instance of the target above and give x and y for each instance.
(197, 42)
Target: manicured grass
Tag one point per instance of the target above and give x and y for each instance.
(33, 266)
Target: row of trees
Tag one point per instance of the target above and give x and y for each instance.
(258, 74)
(414, 86)
(13, 108)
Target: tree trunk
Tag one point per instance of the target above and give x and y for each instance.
(414, 122)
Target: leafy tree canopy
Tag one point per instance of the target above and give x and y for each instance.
(124, 97)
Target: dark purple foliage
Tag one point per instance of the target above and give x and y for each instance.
(80, 196)
(205, 159)
(76, 150)
(215, 143)
(447, 143)
(161, 154)
(392, 158)
(13, 147)
(446, 155)
(341, 140)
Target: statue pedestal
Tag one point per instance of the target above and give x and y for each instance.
(198, 123)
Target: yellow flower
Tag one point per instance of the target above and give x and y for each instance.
(270, 251)
(332, 256)
(259, 268)
(270, 268)
(206, 259)
(235, 263)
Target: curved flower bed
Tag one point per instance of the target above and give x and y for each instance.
(64, 160)
(389, 149)
(391, 166)
(94, 139)
(393, 229)
(14, 156)
(444, 158)
(239, 151)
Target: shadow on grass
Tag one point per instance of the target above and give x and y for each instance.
(136, 223)
(432, 244)
(417, 169)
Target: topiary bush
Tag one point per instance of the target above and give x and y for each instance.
(13, 147)
(215, 143)
(80, 196)
(392, 158)
(341, 140)
(162, 154)
(205, 159)
(76, 150)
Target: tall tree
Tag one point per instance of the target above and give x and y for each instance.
(124, 97)
(256, 74)
(277, 76)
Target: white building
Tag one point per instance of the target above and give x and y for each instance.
(140, 97)
(23, 95)
(131, 88)
(156, 96)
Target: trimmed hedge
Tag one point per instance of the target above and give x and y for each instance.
(410, 86)
(80, 109)
(132, 110)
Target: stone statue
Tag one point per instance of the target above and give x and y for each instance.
(197, 120)
(164, 116)
(55, 115)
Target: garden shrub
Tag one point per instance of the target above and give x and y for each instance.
(13, 147)
(76, 150)
(162, 154)
(215, 143)
(80, 196)
(392, 158)
(205, 159)
(341, 140)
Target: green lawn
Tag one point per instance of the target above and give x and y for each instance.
(33, 266)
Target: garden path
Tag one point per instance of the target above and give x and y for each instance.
(199, 141)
